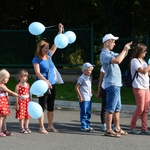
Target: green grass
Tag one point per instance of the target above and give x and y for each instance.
(67, 92)
(127, 96)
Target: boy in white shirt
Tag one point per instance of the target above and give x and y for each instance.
(84, 92)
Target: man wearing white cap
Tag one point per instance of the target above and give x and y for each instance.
(113, 82)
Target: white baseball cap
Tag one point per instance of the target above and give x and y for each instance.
(108, 37)
(86, 65)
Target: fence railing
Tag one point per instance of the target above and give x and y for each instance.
(18, 48)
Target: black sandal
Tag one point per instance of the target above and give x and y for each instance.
(23, 131)
(28, 130)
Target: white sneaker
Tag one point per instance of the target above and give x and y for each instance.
(113, 126)
(103, 127)
(85, 129)
(91, 129)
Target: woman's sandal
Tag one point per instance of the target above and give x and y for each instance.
(52, 129)
(112, 134)
(43, 131)
(22, 130)
(2, 134)
(121, 132)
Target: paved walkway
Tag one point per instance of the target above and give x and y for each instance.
(75, 105)
(70, 137)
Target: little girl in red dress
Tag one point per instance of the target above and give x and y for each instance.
(22, 88)
(4, 102)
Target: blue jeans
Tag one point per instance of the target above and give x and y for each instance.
(113, 99)
(85, 114)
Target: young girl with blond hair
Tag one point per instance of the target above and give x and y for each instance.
(22, 114)
(4, 102)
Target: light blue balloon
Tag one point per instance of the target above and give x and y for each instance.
(149, 61)
(61, 41)
(36, 28)
(71, 36)
(39, 87)
(35, 110)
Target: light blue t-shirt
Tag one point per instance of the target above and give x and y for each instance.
(103, 82)
(112, 71)
(46, 67)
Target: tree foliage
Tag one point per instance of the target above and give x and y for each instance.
(123, 18)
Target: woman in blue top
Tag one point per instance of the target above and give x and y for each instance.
(44, 69)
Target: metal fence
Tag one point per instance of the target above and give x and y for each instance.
(18, 48)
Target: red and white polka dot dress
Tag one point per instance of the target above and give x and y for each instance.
(22, 112)
(4, 103)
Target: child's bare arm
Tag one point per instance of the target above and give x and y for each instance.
(77, 88)
(4, 88)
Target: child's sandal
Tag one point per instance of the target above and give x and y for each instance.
(28, 130)
(23, 131)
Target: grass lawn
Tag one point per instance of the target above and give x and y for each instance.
(67, 92)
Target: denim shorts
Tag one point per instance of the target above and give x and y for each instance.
(113, 99)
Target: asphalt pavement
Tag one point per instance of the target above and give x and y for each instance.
(69, 137)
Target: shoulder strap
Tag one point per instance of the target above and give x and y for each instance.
(48, 67)
(136, 72)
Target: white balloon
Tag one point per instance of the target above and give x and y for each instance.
(39, 87)
(36, 28)
(71, 36)
(149, 61)
(61, 41)
(35, 110)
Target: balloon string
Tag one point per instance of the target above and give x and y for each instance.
(51, 26)
(54, 26)
(63, 30)
(30, 96)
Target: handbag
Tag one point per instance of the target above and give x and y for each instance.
(57, 77)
